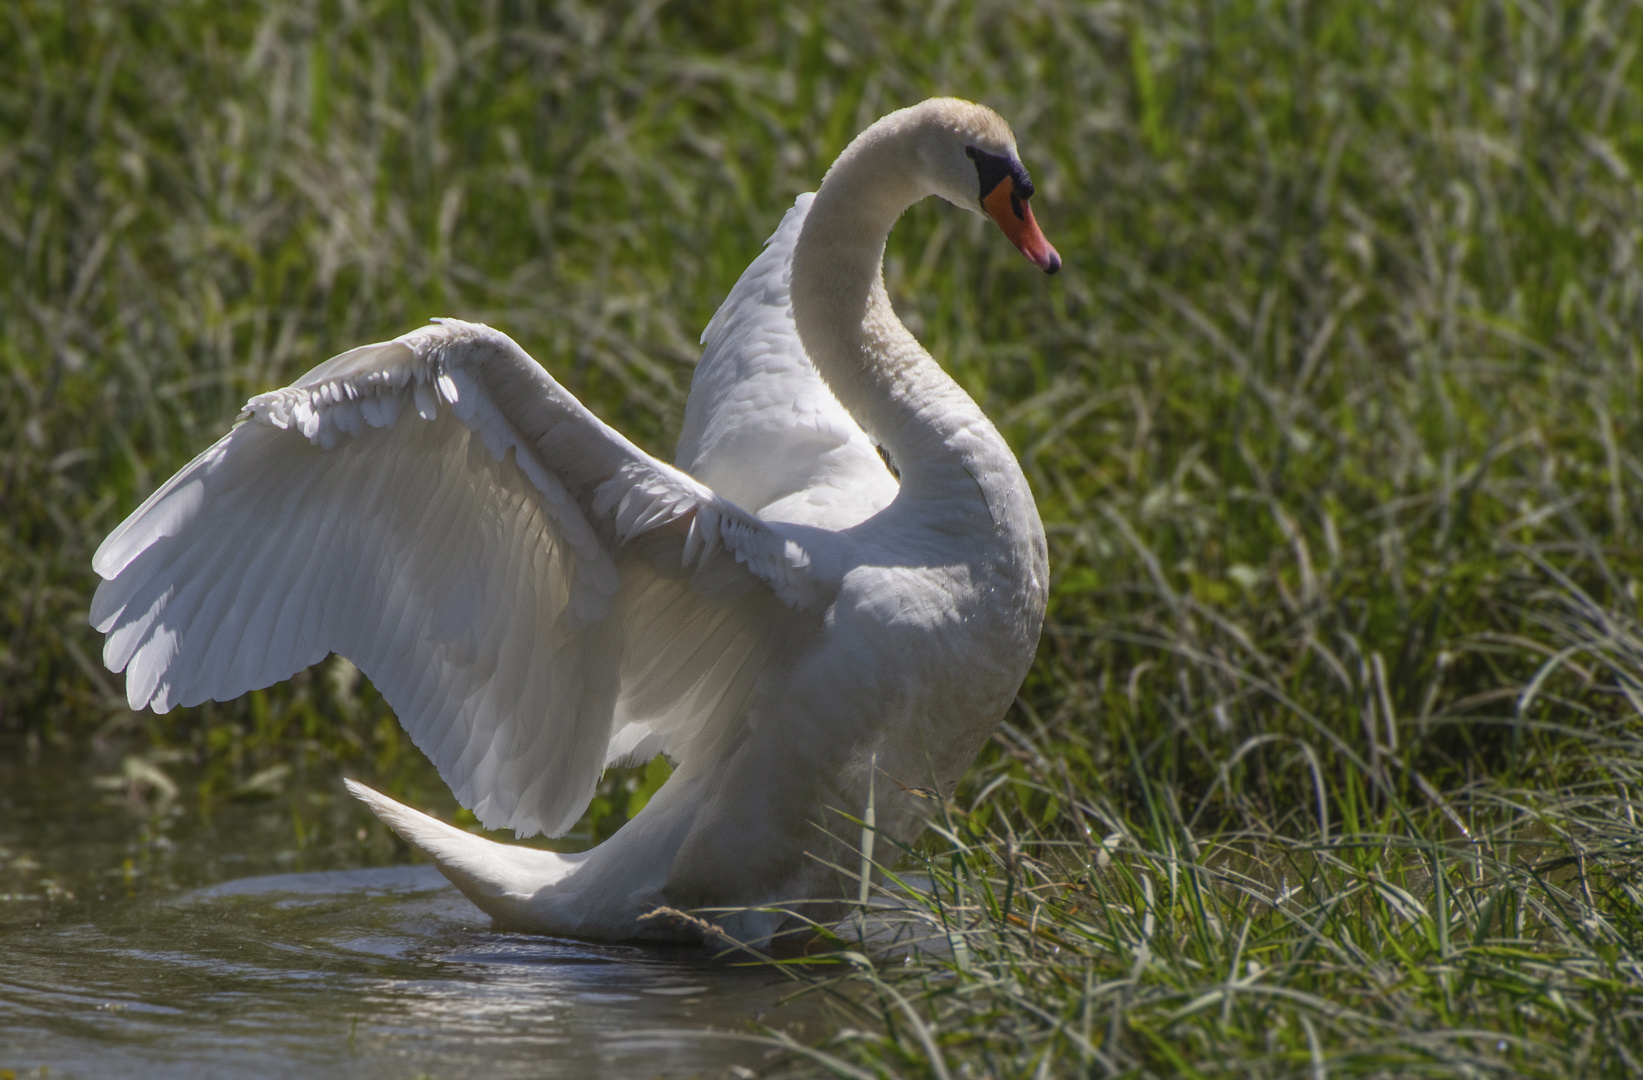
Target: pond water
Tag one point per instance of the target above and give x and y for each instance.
(263, 939)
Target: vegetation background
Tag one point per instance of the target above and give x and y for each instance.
(1328, 763)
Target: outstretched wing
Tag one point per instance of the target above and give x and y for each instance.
(761, 427)
(532, 593)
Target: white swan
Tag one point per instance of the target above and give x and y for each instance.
(539, 599)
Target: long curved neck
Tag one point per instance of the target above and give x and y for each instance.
(874, 366)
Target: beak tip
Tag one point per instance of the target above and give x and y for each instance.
(1015, 218)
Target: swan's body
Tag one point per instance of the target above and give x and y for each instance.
(538, 599)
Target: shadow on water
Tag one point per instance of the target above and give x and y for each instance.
(146, 944)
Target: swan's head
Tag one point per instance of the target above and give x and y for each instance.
(968, 156)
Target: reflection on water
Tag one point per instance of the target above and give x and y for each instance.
(139, 946)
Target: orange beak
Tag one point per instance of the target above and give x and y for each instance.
(1015, 217)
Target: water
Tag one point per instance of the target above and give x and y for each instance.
(265, 939)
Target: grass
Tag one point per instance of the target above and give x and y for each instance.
(1328, 762)
(1489, 929)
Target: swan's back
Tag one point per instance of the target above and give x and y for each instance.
(761, 428)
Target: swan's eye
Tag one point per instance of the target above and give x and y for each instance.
(994, 169)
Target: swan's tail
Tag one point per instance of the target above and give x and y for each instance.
(501, 879)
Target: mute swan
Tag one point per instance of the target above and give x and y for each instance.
(539, 599)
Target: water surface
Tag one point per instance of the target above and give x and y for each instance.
(140, 937)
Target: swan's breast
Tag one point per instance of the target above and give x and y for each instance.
(937, 630)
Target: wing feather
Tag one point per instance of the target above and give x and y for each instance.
(761, 427)
(531, 593)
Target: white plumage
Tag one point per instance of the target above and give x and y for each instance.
(538, 599)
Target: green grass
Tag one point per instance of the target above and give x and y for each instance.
(1327, 766)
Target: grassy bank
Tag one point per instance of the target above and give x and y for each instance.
(1327, 764)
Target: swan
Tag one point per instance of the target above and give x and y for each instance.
(538, 599)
